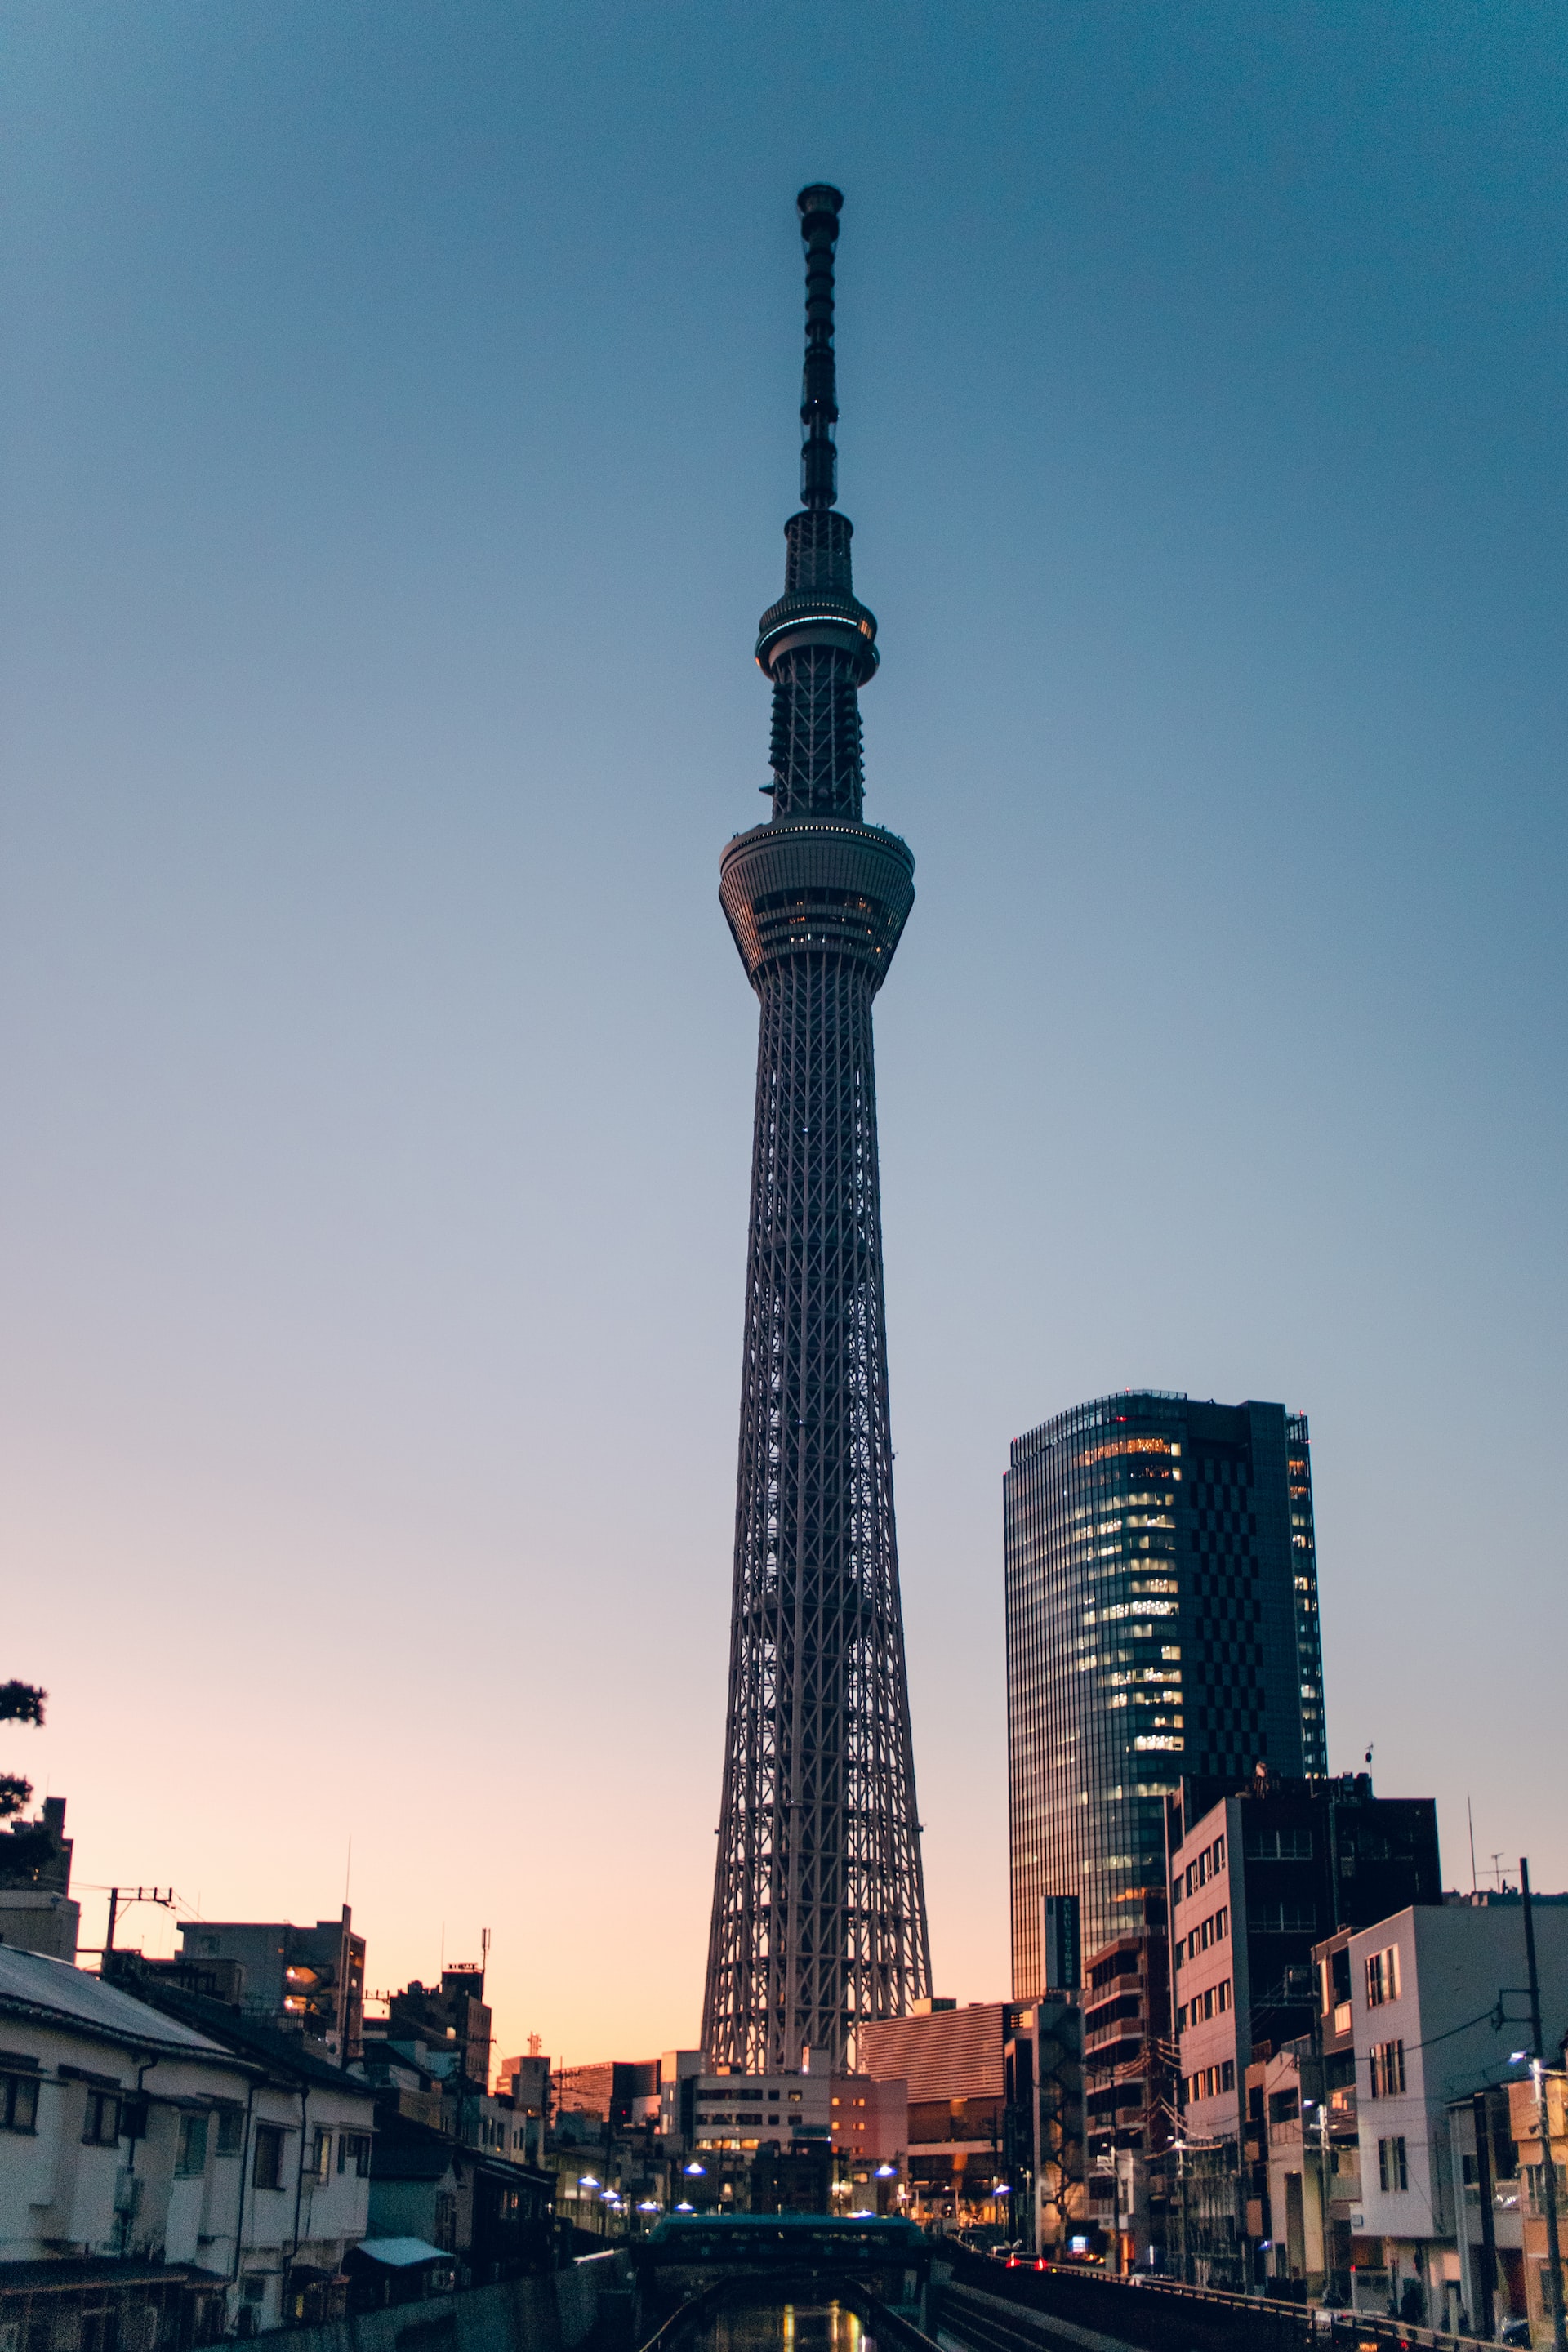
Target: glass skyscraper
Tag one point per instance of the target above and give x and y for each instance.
(1162, 1590)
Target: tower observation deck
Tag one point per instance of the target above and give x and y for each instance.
(819, 1918)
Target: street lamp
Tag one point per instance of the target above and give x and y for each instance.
(694, 2172)
(684, 2208)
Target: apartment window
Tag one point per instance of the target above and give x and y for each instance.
(353, 2151)
(794, 2098)
(101, 2127)
(1387, 2061)
(230, 2130)
(1383, 1976)
(191, 2148)
(446, 2221)
(1391, 2171)
(267, 2172)
(18, 2102)
(321, 2158)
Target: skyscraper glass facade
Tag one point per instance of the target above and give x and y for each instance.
(1162, 1601)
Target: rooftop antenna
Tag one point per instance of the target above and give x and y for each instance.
(1470, 1817)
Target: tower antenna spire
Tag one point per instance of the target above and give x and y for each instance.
(819, 207)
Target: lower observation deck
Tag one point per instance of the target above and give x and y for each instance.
(817, 883)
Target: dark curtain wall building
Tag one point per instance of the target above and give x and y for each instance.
(1162, 1601)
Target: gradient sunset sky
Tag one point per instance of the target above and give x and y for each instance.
(399, 416)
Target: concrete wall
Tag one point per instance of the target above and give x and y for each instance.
(532, 2314)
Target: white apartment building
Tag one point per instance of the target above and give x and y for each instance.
(126, 2133)
(1425, 1990)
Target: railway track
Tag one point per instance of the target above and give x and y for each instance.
(969, 2320)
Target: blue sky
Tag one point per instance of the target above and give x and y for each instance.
(400, 424)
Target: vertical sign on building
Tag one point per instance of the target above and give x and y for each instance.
(1060, 1944)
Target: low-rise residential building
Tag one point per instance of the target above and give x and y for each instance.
(1530, 2128)
(493, 2215)
(1434, 2006)
(135, 2135)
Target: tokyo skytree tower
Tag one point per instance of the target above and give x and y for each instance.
(819, 1917)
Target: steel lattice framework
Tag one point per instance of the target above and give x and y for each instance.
(819, 1918)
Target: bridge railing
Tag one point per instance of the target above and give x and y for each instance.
(1287, 2323)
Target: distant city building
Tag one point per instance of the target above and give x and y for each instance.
(1162, 1597)
(37, 1911)
(870, 2119)
(996, 2105)
(453, 2012)
(621, 2092)
(745, 2112)
(305, 1979)
(528, 2080)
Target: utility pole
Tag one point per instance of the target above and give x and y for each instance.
(1480, 2109)
(1543, 2114)
(1325, 2151)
